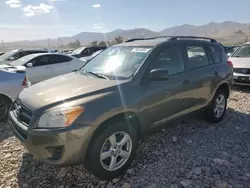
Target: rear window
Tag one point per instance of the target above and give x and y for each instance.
(216, 54)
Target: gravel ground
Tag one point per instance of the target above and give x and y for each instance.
(188, 153)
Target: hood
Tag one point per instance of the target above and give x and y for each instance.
(240, 62)
(65, 88)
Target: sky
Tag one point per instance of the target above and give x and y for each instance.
(39, 19)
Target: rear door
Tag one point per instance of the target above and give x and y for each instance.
(62, 65)
(199, 74)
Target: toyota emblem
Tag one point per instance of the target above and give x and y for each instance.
(244, 71)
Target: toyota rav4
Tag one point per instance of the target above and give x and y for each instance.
(97, 115)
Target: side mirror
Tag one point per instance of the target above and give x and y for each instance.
(229, 54)
(159, 74)
(29, 65)
(11, 58)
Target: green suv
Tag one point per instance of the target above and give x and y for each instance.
(97, 115)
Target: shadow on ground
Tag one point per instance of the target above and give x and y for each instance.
(5, 131)
(196, 138)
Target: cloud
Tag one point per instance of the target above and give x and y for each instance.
(13, 3)
(96, 6)
(97, 26)
(31, 10)
(57, 0)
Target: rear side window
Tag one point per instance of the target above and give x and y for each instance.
(196, 56)
(216, 54)
(62, 58)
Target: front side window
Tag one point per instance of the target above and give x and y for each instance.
(197, 57)
(169, 58)
(242, 51)
(118, 62)
(41, 61)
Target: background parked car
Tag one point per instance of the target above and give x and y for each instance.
(47, 65)
(241, 62)
(88, 58)
(230, 49)
(86, 51)
(12, 81)
(18, 53)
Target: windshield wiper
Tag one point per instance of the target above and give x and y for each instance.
(98, 75)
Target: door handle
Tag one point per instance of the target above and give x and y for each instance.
(185, 81)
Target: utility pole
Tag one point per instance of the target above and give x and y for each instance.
(2, 44)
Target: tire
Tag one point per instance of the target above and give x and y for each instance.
(5, 104)
(211, 114)
(98, 168)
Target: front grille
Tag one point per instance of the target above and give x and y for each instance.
(242, 70)
(22, 113)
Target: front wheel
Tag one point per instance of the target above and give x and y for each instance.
(112, 151)
(217, 108)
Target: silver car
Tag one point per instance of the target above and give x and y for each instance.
(12, 81)
(241, 63)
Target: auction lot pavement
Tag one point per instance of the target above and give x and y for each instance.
(188, 153)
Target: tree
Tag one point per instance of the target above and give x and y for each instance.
(94, 43)
(118, 40)
(102, 43)
(75, 44)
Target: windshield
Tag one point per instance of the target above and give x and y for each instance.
(22, 60)
(242, 51)
(5, 56)
(78, 50)
(118, 62)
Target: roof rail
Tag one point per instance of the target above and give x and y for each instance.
(149, 38)
(192, 37)
(131, 40)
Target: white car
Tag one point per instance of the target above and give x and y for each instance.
(44, 66)
(12, 81)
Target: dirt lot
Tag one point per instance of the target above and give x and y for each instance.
(191, 153)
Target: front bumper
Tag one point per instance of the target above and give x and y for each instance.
(60, 147)
(241, 79)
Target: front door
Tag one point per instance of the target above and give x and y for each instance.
(166, 99)
(41, 69)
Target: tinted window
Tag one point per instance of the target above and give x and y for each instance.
(169, 58)
(215, 51)
(62, 58)
(41, 61)
(87, 52)
(197, 57)
(19, 55)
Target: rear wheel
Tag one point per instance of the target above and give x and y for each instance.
(5, 104)
(112, 151)
(217, 108)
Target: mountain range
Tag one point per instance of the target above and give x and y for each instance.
(226, 32)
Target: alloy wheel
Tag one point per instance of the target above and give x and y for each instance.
(116, 151)
(219, 107)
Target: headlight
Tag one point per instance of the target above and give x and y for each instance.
(60, 118)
